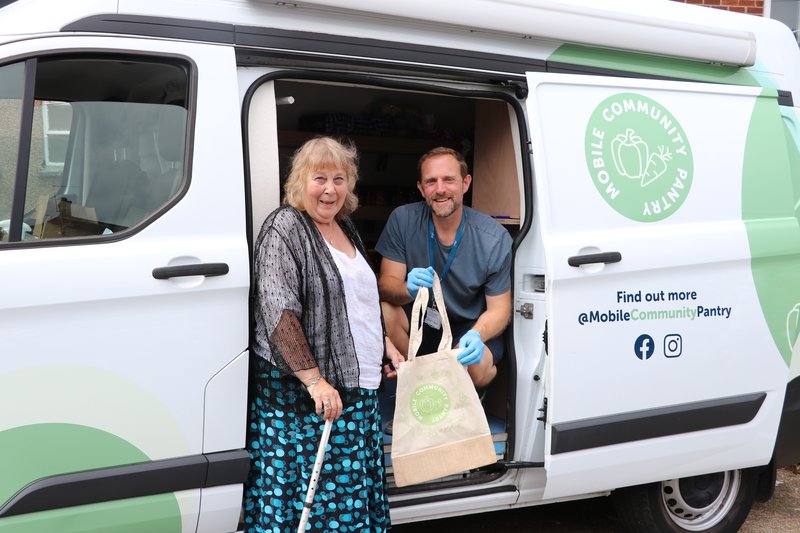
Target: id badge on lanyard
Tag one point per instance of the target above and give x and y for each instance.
(432, 318)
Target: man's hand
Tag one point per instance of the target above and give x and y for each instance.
(473, 348)
(419, 277)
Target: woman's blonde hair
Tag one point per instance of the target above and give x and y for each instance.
(314, 155)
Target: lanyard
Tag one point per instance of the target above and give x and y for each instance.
(432, 243)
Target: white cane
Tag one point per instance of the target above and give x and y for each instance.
(312, 485)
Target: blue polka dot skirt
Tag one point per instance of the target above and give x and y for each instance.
(283, 438)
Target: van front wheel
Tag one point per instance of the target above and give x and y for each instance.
(712, 503)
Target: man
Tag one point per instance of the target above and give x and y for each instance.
(470, 252)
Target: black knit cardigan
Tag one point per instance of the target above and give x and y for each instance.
(300, 308)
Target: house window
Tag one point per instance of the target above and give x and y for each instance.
(56, 120)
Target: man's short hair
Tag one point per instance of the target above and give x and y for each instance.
(442, 150)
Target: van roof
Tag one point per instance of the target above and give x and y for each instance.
(531, 29)
(651, 26)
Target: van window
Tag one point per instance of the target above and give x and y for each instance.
(107, 145)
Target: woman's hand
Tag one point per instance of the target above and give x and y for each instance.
(326, 400)
(395, 357)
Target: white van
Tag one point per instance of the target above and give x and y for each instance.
(643, 155)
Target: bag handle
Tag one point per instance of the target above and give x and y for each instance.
(418, 319)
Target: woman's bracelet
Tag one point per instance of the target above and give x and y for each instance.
(311, 382)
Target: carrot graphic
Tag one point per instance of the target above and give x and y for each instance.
(656, 165)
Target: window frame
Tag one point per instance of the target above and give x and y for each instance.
(31, 62)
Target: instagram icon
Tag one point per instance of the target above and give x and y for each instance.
(673, 345)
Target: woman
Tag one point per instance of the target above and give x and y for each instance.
(320, 342)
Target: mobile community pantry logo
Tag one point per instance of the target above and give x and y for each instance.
(430, 403)
(639, 157)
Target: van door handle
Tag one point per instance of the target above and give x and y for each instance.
(199, 269)
(588, 259)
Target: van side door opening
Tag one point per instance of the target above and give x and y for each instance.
(392, 128)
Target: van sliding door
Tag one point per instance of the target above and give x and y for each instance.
(668, 224)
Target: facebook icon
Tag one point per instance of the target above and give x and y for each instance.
(644, 346)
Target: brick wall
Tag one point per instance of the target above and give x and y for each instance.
(751, 7)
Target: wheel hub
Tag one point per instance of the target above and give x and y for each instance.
(699, 503)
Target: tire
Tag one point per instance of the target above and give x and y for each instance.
(711, 503)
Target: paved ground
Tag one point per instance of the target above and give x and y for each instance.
(780, 515)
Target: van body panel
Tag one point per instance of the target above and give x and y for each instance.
(656, 238)
(566, 21)
(262, 146)
(109, 367)
(216, 507)
(640, 176)
(768, 208)
(584, 57)
(223, 419)
(151, 513)
(773, 68)
(447, 504)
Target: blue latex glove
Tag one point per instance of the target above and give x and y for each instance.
(473, 348)
(419, 277)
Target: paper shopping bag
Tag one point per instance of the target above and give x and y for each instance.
(440, 427)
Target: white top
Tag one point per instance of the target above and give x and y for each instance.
(363, 314)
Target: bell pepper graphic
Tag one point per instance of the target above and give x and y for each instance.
(656, 165)
(630, 154)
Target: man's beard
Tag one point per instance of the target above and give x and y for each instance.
(443, 211)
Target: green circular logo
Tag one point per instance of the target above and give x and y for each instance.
(430, 403)
(639, 157)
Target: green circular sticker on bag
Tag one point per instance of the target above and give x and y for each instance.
(430, 403)
(639, 157)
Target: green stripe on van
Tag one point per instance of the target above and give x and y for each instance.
(773, 231)
(151, 514)
(652, 65)
(40, 450)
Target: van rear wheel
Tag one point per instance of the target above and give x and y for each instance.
(711, 503)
